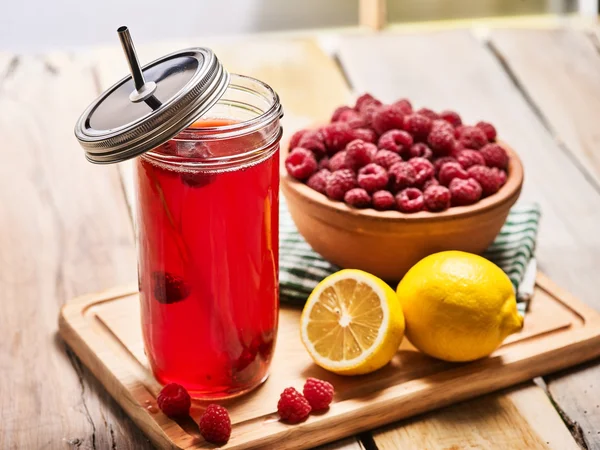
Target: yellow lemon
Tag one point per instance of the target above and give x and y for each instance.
(352, 323)
(458, 306)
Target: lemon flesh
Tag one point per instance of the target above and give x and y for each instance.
(458, 306)
(352, 323)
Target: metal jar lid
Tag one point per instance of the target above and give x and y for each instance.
(152, 105)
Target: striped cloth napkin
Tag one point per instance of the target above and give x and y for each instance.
(301, 268)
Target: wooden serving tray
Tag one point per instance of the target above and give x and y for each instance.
(104, 330)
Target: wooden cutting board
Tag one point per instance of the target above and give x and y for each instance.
(104, 330)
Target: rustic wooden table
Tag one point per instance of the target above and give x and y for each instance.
(66, 229)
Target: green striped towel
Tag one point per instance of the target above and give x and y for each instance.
(301, 268)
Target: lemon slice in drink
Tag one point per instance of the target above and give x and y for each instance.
(352, 323)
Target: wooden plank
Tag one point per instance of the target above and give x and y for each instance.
(392, 66)
(568, 102)
(64, 231)
(372, 14)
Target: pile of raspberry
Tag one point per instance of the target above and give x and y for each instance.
(392, 157)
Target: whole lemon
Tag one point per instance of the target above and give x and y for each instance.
(458, 306)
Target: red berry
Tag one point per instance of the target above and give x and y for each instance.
(339, 111)
(383, 200)
(439, 162)
(495, 156)
(319, 393)
(450, 171)
(293, 406)
(323, 163)
(169, 288)
(336, 136)
(464, 192)
(468, 158)
(353, 119)
(386, 158)
(215, 425)
(365, 134)
(174, 400)
(197, 179)
(472, 137)
(428, 113)
(501, 176)
(441, 141)
(430, 182)
(365, 101)
(387, 117)
(451, 117)
(338, 161)
(357, 197)
(488, 129)
(488, 177)
(402, 175)
(295, 139)
(318, 181)
(458, 130)
(373, 177)
(301, 163)
(404, 105)
(417, 125)
(410, 200)
(423, 168)
(397, 141)
(442, 124)
(420, 150)
(313, 141)
(437, 198)
(339, 183)
(359, 153)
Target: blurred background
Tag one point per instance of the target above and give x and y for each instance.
(41, 25)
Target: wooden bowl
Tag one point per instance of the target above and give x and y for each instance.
(388, 243)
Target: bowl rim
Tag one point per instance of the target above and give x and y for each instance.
(506, 194)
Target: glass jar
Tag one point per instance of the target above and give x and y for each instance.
(207, 230)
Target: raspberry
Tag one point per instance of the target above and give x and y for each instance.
(402, 175)
(468, 158)
(420, 150)
(386, 158)
(295, 139)
(301, 163)
(215, 425)
(395, 140)
(458, 147)
(353, 119)
(383, 200)
(319, 393)
(428, 113)
(488, 177)
(501, 176)
(410, 200)
(367, 114)
(336, 136)
(169, 288)
(373, 177)
(439, 162)
(458, 130)
(472, 137)
(437, 198)
(292, 406)
(495, 156)
(197, 179)
(339, 111)
(365, 101)
(450, 171)
(366, 134)
(359, 153)
(357, 197)
(387, 117)
(404, 105)
(451, 117)
(488, 129)
(338, 161)
(442, 124)
(339, 183)
(430, 182)
(417, 125)
(423, 168)
(441, 141)
(318, 181)
(174, 400)
(464, 192)
(313, 141)
(324, 164)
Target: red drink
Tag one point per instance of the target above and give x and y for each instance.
(208, 259)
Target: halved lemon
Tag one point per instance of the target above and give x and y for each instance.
(352, 323)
